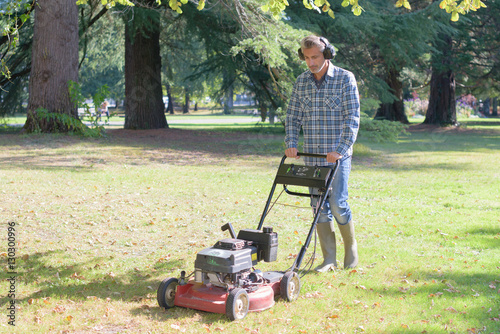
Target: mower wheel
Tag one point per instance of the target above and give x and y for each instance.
(290, 286)
(237, 304)
(166, 292)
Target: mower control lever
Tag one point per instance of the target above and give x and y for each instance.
(229, 227)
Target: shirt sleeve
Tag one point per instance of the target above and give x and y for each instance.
(350, 115)
(293, 120)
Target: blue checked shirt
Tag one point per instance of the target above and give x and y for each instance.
(328, 115)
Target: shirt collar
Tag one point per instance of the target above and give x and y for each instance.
(328, 73)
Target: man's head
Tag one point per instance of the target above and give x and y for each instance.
(316, 51)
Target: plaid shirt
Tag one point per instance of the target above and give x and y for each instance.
(328, 115)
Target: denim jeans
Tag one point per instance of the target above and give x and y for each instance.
(336, 205)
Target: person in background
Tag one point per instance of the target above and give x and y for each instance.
(325, 105)
(103, 109)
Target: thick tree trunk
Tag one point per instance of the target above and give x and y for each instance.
(395, 110)
(495, 107)
(144, 108)
(442, 108)
(442, 105)
(54, 63)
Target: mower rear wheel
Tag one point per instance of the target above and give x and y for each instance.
(237, 304)
(290, 286)
(166, 292)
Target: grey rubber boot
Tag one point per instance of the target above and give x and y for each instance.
(328, 247)
(350, 245)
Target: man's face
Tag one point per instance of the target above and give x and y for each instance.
(314, 59)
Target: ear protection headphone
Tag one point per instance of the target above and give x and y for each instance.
(328, 52)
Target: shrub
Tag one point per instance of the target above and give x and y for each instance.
(380, 130)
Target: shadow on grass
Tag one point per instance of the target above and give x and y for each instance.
(86, 279)
(48, 162)
(70, 282)
(490, 236)
(455, 290)
(162, 145)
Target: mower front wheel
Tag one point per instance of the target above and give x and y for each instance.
(290, 286)
(166, 292)
(237, 304)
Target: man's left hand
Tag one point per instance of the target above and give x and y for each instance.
(332, 157)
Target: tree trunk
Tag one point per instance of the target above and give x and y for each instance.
(495, 107)
(144, 108)
(442, 108)
(170, 105)
(185, 110)
(263, 110)
(395, 110)
(54, 63)
(486, 107)
(228, 100)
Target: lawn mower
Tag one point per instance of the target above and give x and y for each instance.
(224, 279)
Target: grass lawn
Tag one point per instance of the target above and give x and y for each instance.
(99, 223)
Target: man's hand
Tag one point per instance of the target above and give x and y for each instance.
(291, 152)
(333, 157)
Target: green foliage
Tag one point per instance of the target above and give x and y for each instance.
(13, 15)
(380, 130)
(64, 121)
(103, 53)
(75, 92)
(369, 106)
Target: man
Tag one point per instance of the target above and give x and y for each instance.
(325, 104)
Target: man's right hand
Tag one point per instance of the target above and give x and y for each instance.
(292, 152)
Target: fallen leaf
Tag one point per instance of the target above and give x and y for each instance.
(451, 309)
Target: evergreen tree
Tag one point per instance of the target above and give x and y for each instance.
(54, 63)
(144, 108)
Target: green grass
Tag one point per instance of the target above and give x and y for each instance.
(100, 222)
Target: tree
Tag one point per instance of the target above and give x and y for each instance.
(144, 108)
(442, 104)
(465, 61)
(54, 63)
(246, 49)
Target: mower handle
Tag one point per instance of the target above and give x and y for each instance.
(310, 155)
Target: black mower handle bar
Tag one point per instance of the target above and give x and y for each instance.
(301, 154)
(311, 155)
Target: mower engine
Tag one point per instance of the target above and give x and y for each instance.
(228, 264)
